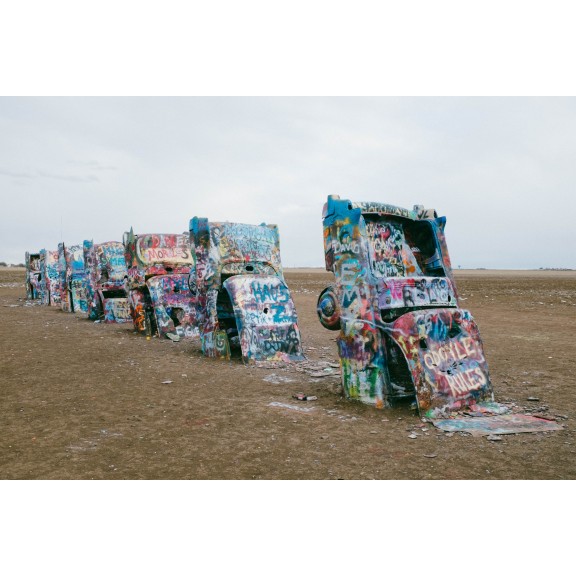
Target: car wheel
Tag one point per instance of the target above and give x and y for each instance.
(328, 309)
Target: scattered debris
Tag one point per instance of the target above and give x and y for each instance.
(496, 425)
(173, 337)
(168, 382)
(277, 379)
(533, 399)
(494, 438)
(304, 397)
(290, 407)
(430, 455)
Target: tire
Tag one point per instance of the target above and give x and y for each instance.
(328, 309)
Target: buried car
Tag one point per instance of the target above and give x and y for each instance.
(33, 276)
(106, 273)
(395, 304)
(51, 292)
(159, 267)
(72, 278)
(242, 298)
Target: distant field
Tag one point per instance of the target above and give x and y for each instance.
(472, 272)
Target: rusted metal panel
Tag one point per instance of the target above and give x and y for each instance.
(239, 275)
(159, 268)
(33, 276)
(395, 303)
(106, 273)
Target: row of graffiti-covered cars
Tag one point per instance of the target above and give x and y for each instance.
(222, 282)
(401, 331)
(394, 299)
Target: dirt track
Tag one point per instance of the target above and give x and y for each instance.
(82, 400)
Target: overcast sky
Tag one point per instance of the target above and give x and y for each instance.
(503, 170)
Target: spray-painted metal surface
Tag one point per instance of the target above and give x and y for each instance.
(52, 295)
(33, 276)
(158, 270)
(243, 301)
(75, 282)
(395, 303)
(106, 273)
(42, 279)
(64, 296)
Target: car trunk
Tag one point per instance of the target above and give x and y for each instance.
(266, 318)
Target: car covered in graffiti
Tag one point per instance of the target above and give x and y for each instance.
(106, 275)
(73, 278)
(159, 267)
(243, 301)
(51, 292)
(395, 304)
(33, 276)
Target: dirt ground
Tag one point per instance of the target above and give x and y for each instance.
(83, 400)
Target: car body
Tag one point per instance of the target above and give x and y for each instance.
(53, 291)
(242, 297)
(106, 274)
(395, 304)
(33, 276)
(73, 275)
(62, 277)
(50, 283)
(159, 267)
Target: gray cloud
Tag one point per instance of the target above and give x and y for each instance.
(36, 174)
(92, 164)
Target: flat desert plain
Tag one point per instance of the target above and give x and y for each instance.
(83, 400)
